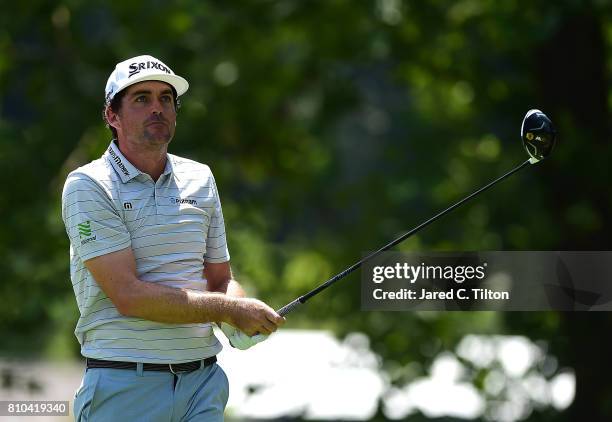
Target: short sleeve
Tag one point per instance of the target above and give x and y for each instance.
(92, 222)
(216, 244)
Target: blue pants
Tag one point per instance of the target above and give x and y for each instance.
(136, 395)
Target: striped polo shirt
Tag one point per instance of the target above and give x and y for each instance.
(174, 226)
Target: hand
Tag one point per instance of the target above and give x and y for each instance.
(252, 316)
(240, 340)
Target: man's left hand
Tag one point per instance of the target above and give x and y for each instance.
(240, 340)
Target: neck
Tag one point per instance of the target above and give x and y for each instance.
(151, 161)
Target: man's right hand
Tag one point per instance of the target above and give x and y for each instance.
(252, 317)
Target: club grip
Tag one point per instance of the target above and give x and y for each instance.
(290, 307)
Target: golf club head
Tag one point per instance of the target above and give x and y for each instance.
(538, 135)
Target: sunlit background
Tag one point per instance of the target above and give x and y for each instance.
(331, 127)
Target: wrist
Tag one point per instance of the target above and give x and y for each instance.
(228, 310)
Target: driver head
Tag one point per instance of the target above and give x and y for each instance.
(538, 135)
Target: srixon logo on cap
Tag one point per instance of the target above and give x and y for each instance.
(137, 67)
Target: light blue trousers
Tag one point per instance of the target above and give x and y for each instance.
(136, 395)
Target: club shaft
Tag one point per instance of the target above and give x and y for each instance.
(302, 299)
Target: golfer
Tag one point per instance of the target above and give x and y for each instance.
(150, 266)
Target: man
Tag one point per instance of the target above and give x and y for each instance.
(150, 265)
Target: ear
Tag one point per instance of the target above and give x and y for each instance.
(112, 118)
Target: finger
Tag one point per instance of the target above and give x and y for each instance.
(276, 319)
(251, 333)
(267, 327)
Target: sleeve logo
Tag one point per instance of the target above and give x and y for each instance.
(85, 232)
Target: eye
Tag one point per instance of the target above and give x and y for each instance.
(166, 98)
(141, 99)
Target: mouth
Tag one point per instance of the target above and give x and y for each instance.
(156, 123)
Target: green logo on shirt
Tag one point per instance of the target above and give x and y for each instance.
(84, 229)
(85, 232)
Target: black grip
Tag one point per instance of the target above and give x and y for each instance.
(290, 307)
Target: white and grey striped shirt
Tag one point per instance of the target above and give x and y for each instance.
(174, 226)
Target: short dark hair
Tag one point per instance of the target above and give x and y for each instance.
(115, 105)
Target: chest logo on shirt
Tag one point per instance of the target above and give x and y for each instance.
(174, 200)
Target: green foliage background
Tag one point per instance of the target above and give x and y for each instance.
(331, 127)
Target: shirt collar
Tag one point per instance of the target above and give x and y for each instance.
(170, 166)
(122, 166)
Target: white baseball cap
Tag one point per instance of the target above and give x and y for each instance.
(142, 68)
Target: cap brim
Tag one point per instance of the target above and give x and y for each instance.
(180, 84)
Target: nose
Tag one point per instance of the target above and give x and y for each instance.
(156, 107)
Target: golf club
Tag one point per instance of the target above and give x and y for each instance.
(538, 136)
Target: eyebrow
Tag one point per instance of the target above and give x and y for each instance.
(147, 91)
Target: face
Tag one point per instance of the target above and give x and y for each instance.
(147, 117)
